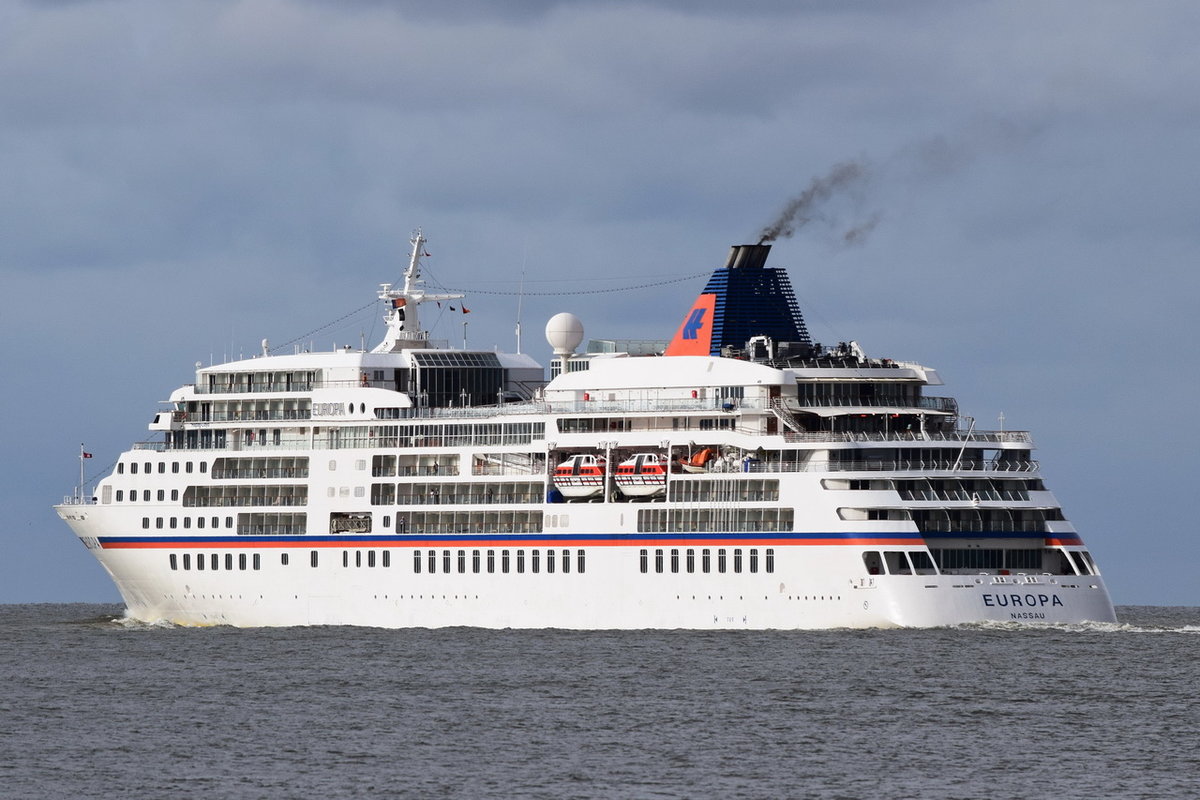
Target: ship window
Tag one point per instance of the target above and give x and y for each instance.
(491, 561)
(162, 495)
(174, 494)
(645, 560)
(474, 561)
(534, 560)
(146, 495)
(158, 522)
(147, 465)
(187, 561)
(175, 466)
(199, 560)
(120, 468)
(753, 559)
(174, 562)
(770, 559)
(257, 562)
(187, 522)
(145, 522)
(387, 521)
(174, 522)
(566, 561)
(432, 561)
(229, 561)
(120, 495)
(872, 562)
(370, 558)
(446, 561)
(549, 561)
(922, 564)
(579, 562)
(216, 522)
(358, 558)
(462, 561)
(691, 560)
(706, 560)
(520, 561)
(241, 560)
(721, 560)
(658, 560)
(896, 562)
(133, 468)
(229, 522)
(187, 467)
(216, 561)
(737, 559)
(417, 562)
(162, 466)
(675, 559)
(504, 561)
(204, 464)
(199, 522)
(387, 558)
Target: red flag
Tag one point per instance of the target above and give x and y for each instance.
(466, 310)
(87, 455)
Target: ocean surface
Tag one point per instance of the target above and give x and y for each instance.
(92, 706)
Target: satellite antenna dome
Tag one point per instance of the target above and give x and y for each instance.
(564, 332)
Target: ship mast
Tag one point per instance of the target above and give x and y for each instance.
(403, 318)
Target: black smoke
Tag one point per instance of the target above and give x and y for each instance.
(847, 177)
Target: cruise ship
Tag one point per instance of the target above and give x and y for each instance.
(738, 476)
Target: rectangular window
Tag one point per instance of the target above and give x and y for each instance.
(257, 561)
(644, 560)
(228, 522)
(199, 522)
(491, 561)
(416, 562)
(674, 559)
(658, 560)
(312, 559)
(216, 522)
(229, 561)
(161, 495)
(121, 469)
(187, 522)
(754, 559)
(120, 495)
(174, 562)
(462, 561)
(174, 522)
(358, 558)
(199, 560)
(241, 560)
(204, 464)
(520, 561)
(579, 562)
(345, 558)
(534, 560)
(691, 560)
(387, 521)
(432, 561)
(566, 561)
(133, 468)
(387, 558)
(770, 559)
(446, 561)
(187, 561)
(370, 558)
(549, 561)
(706, 560)
(721, 560)
(737, 559)
(145, 522)
(187, 467)
(175, 466)
(475, 561)
(174, 494)
(162, 466)
(216, 561)
(158, 522)
(504, 561)
(146, 495)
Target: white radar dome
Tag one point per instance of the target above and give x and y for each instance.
(564, 332)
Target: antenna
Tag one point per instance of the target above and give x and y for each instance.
(521, 293)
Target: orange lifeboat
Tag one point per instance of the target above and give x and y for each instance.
(643, 475)
(580, 476)
(699, 461)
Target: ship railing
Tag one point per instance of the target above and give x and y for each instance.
(915, 465)
(945, 404)
(76, 500)
(1014, 437)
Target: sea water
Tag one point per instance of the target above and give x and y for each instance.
(92, 706)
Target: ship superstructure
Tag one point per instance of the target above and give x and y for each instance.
(747, 478)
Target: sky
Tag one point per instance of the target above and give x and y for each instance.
(180, 180)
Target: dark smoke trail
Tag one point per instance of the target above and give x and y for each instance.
(858, 233)
(798, 212)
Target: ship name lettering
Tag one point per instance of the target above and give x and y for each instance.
(1027, 615)
(328, 409)
(1021, 600)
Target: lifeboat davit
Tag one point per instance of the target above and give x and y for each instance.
(643, 475)
(580, 476)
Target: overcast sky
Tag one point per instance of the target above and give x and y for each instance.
(180, 180)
